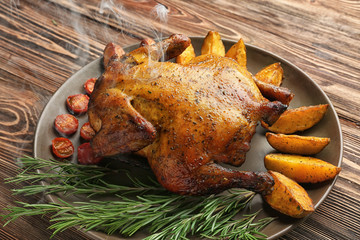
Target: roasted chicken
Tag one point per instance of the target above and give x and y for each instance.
(185, 119)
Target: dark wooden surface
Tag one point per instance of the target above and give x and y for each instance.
(42, 43)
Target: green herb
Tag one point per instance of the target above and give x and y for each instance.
(69, 178)
(54, 22)
(139, 206)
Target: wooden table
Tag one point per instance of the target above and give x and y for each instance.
(44, 42)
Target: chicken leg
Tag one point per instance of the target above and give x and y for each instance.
(185, 119)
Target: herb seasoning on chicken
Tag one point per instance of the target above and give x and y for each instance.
(185, 119)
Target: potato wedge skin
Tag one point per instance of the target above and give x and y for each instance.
(288, 197)
(302, 169)
(295, 144)
(187, 55)
(238, 52)
(274, 93)
(213, 44)
(298, 119)
(272, 74)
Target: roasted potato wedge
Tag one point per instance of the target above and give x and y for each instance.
(295, 144)
(298, 119)
(300, 168)
(110, 50)
(213, 44)
(186, 56)
(272, 74)
(274, 93)
(288, 197)
(238, 52)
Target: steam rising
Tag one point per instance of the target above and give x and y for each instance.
(13, 5)
(109, 9)
(70, 20)
(55, 37)
(160, 12)
(130, 21)
(110, 5)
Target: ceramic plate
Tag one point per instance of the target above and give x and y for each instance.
(307, 92)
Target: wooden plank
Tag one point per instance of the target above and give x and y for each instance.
(44, 42)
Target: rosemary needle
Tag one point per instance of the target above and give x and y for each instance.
(137, 207)
(69, 178)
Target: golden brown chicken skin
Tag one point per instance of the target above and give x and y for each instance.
(185, 119)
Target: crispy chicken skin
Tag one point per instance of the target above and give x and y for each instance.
(185, 119)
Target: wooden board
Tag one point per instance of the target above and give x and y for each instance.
(42, 43)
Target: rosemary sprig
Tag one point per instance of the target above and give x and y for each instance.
(69, 178)
(141, 206)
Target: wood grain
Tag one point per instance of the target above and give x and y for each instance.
(44, 42)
